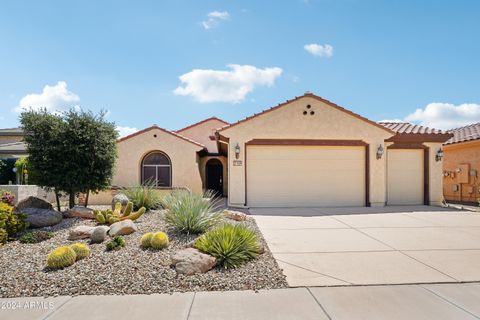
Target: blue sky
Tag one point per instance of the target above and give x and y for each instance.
(381, 59)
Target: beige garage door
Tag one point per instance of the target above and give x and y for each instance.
(405, 176)
(305, 176)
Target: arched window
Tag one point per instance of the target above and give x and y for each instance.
(157, 169)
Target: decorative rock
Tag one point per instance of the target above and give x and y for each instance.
(120, 197)
(81, 232)
(79, 212)
(235, 215)
(33, 202)
(191, 261)
(39, 218)
(122, 228)
(99, 234)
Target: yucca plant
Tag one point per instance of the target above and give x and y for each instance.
(190, 212)
(232, 245)
(145, 195)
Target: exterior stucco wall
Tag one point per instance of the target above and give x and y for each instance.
(436, 174)
(289, 122)
(202, 132)
(10, 139)
(455, 155)
(183, 155)
(223, 160)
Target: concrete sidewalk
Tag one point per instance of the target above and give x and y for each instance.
(439, 301)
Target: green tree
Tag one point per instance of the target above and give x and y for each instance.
(70, 152)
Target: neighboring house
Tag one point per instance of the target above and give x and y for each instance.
(11, 143)
(462, 165)
(302, 153)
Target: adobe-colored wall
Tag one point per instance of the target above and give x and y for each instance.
(183, 155)
(10, 139)
(202, 132)
(288, 122)
(456, 154)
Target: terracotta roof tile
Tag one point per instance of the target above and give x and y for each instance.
(463, 134)
(200, 122)
(164, 130)
(405, 127)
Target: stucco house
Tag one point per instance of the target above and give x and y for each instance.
(304, 152)
(462, 164)
(11, 143)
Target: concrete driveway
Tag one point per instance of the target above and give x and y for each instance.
(359, 246)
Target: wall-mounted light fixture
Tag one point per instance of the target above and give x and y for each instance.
(439, 155)
(380, 152)
(237, 151)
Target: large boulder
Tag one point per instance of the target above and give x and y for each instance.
(79, 212)
(191, 261)
(99, 234)
(122, 228)
(235, 215)
(120, 197)
(81, 232)
(39, 218)
(33, 202)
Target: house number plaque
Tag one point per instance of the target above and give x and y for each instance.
(237, 162)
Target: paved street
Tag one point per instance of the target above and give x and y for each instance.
(441, 301)
(363, 246)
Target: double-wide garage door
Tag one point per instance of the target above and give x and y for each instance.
(305, 176)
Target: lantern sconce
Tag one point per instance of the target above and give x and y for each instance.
(380, 152)
(237, 151)
(439, 155)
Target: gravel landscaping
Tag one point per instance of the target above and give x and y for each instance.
(130, 270)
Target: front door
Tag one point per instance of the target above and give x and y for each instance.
(214, 175)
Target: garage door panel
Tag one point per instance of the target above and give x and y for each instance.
(305, 176)
(405, 176)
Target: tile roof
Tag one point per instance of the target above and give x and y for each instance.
(14, 147)
(310, 95)
(463, 134)
(200, 122)
(408, 128)
(164, 130)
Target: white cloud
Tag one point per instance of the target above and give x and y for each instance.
(392, 120)
(214, 18)
(446, 115)
(323, 51)
(206, 85)
(125, 131)
(53, 98)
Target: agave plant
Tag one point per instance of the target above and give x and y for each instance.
(232, 245)
(190, 212)
(145, 195)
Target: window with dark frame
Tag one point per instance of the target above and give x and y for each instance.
(157, 169)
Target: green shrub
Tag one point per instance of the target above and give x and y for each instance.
(144, 196)
(116, 243)
(232, 245)
(146, 240)
(36, 236)
(159, 240)
(61, 257)
(3, 236)
(192, 212)
(11, 222)
(81, 250)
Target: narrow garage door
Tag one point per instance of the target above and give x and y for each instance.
(305, 176)
(405, 176)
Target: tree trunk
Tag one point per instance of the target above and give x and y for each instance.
(57, 197)
(71, 200)
(86, 198)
